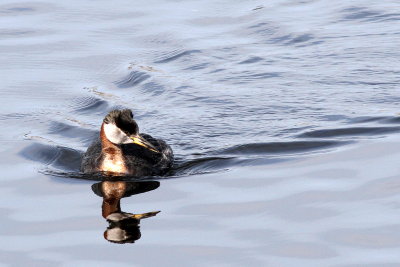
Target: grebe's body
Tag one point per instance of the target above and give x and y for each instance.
(121, 150)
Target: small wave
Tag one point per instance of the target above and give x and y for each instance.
(365, 14)
(388, 17)
(134, 78)
(350, 132)
(204, 165)
(303, 40)
(251, 60)
(300, 39)
(15, 10)
(63, 158)
(278, 147)
(70, 131)
(10, 116)
(176, 55)
(263, 29)
(13, 33)
(290, 39)
(359, 13)
(154, 88)
(281, 39)
(216, 70)
(26, 8)
(89, 105)
(366, 119)
(199, 66)
(382, 119)
(247, 76)
(392, 120)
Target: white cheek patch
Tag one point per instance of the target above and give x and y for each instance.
(115, 135)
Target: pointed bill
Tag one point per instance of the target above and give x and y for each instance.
(143, 142)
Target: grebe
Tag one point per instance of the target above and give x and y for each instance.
(121, 150)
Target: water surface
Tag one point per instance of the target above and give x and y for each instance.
(283, 116)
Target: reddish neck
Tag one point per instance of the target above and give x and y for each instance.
(112, 194)
(112, 158)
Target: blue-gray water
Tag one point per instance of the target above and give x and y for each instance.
(283, 116)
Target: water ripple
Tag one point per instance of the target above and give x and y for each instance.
(360, 14)
(132, 79)
(174, 55)
(279, 147)
(251, 60)
(247, 76)
(353, 131)
(56, 156)
(365, 14)
(70, 131)
(89, 105)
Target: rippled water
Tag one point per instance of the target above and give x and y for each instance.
(283, 116)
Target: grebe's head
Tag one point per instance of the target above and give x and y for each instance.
(121, 128)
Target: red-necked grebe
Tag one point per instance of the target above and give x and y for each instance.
(121, 150)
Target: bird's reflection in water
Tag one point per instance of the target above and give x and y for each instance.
(123, 226)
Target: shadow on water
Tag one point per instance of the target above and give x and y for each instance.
(123, 227)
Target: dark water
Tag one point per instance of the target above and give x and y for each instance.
(283, 116)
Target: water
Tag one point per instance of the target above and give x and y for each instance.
(283, 117)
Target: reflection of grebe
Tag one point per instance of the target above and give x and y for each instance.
(122, 150)
(123, 226)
